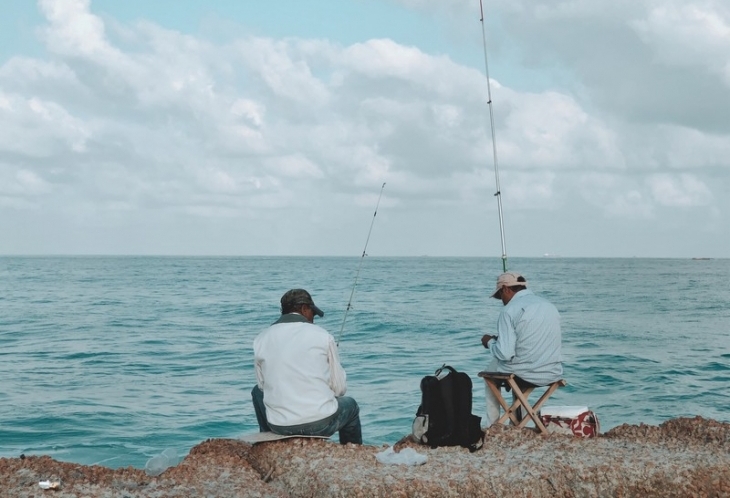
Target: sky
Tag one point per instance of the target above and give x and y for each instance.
(228, 127)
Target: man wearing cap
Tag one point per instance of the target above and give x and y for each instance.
(300, 382)
(527, 341)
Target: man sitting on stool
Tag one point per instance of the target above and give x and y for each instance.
(527, 341)
(300, 382)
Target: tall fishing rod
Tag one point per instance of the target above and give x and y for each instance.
(498, 194)
(349, 303)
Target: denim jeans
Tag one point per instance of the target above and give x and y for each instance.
(346, 421)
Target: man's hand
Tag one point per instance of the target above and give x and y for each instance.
(486, 338)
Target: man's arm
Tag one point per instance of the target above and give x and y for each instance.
(504, 347)
(338, 378)
(259, 374)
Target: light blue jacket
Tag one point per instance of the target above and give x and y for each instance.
(529, 338)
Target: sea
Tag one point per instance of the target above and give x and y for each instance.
(113, 360)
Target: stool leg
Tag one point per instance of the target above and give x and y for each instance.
(512, 412)
(532, 410)
(553, 387)
(508, 410)
(532, 415)
(522, 399)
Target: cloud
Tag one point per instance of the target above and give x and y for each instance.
(39, 128)
(628, 89)
(695, 35)
(135, 124)
(283, 73)
(73, 30)
(679, 191)
(615, 196)
(644, 61)
(551, 130)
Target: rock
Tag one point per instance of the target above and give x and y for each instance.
(680, 458)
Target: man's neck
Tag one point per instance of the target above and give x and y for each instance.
(291, 318)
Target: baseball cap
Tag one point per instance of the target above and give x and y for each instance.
(509, 279)
(297, 297)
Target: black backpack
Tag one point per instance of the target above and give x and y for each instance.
(444, 417)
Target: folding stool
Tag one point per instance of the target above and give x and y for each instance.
(496, 380)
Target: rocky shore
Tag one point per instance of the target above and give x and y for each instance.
(680, 458)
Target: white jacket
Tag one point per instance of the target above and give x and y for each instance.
(298, 369)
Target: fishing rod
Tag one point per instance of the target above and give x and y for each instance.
(498, 194)
(357, 274)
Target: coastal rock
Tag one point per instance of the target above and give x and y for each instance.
(215, 468)
(680, 458)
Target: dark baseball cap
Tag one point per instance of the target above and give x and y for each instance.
(297, 297)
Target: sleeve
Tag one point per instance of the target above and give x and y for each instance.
(504, 347)
(259, 374)
(338, 377)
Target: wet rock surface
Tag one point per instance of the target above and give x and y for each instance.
(680, 458)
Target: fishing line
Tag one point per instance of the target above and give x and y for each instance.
(357, 274)
(498, 194)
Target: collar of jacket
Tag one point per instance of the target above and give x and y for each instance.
(291, 318)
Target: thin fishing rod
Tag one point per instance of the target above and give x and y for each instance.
(349, 303)
(498, 194)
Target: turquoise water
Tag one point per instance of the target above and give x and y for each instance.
(111, 360)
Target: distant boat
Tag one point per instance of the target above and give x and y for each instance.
(701, 259)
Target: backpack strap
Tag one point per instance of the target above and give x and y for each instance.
(438, 372)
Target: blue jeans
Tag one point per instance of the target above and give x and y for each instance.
(346, 421)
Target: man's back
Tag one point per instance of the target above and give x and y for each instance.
(293, 360)
(529, 339)
(300, 384)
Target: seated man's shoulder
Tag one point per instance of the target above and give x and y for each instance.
(537, 299)
(312, 330)
(538, 304)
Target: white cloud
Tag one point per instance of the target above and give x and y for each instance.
(631, 204)
(250, 110)
(39, 128)
(73, 30)
(295, 167)
(22, 182)
(286, 76)
(448, 116)
(614, 195)
(679, 191)
(130, 123)
(32, 71)
(534, 190)
(551, 130)
(689, 34)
